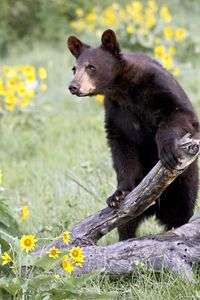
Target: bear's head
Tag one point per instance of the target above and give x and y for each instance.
(95, 69)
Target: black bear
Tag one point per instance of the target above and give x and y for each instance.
(146, 113)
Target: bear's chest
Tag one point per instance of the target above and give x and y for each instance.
(136, 124)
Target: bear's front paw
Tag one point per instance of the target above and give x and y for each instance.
(169, 157)
(116, 198)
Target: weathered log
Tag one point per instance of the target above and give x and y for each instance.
(177, 250)
(171, 250)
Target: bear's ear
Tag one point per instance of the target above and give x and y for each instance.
(76, 46)
(109, 42)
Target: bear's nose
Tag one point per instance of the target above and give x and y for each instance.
(73, 88)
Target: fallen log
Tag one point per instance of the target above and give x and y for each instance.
(153, 251)
(173, 250)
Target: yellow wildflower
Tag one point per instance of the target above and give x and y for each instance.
(168, 32)
(6, 70)
(180, 34)
(66, 264)
(159, 51)
(167, 61)
(28, 69)
(2, 90)
(91, 17)
(27, 243)
(30, 77)
(151, 21)
(151, 4)
(165, 14)
(53, 252)
(30, 93)
(24, 213)
(11, 83)
(42, 73)
(100, 98)
(43, 87)
(130, 29)
(66, 237)
(76, 253)
(9, 106)
(6, 258)
(24, 101)
(137, 6)
(79, 12)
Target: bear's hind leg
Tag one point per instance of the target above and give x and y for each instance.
(128, 230)
(177, 202)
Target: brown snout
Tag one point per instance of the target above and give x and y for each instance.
(74, 88)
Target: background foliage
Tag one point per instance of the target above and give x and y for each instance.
(54, 157)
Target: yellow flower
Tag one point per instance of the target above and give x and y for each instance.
(56, 276)
(42, 73)
(165, 14)
(137, 6)
(66, 237)
(176, 72)
(159, 51)
(11, 99)
(6, 70)
(1, 177)
(6, 258)
(30, 93)
(66, 264)
(91, 17)
(11, 83)
(79, 12)
(27, 243)
(28, 69)
(30, 77)
(2, 90)
(167, 61)
(24, 213)
(9, 106)
(168, 32)
(130, 29)
(76, 253)
(43, 87)
(53, 252)
(24, 101)
(180, 34)
(100, 98)
(151, 4)
(151, 21)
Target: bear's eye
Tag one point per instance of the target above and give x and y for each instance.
(90, 68)
(74, 69)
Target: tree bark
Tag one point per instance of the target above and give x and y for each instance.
(172, 250)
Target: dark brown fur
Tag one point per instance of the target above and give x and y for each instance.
(146, 113)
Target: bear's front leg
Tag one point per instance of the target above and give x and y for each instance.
(128, 169)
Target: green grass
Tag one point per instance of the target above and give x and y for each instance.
(55, 158)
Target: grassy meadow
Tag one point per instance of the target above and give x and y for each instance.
(54, 158)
